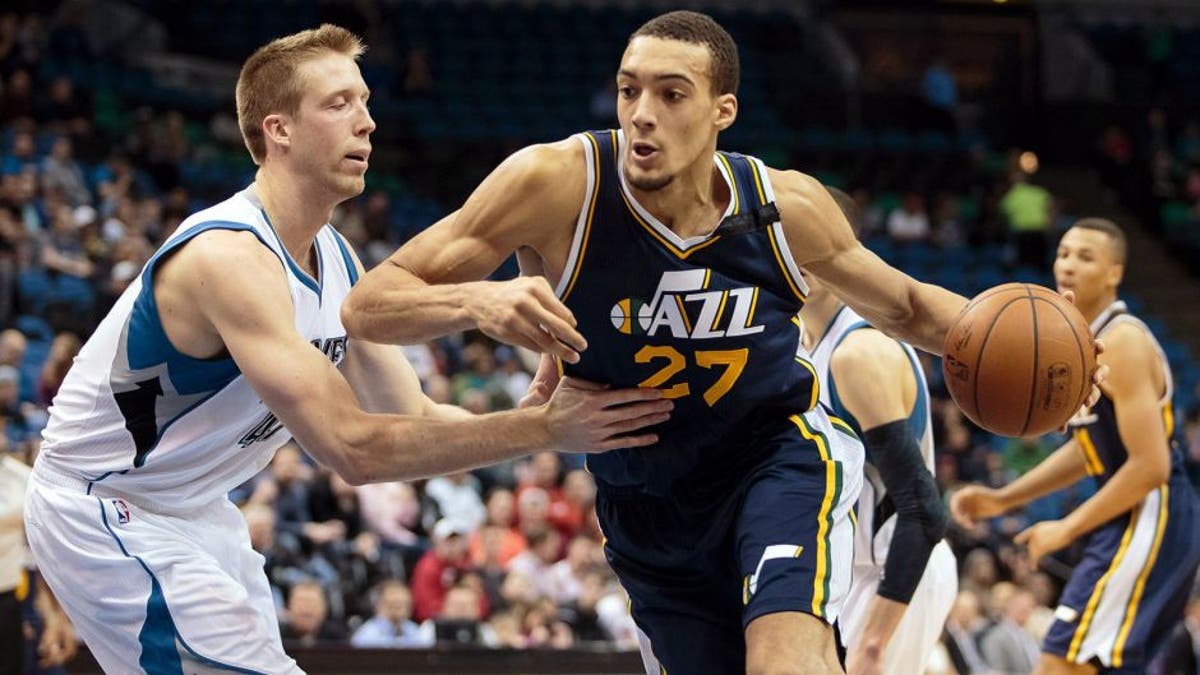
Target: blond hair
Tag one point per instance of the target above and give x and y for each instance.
(269, 82)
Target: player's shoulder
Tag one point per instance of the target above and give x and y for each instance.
(1128, 344)
(867, 351)
(796, 188)
(547, 163)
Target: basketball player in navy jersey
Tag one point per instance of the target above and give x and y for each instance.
(228, 344)
(1142, 525)
(673, 266)
(905, 576)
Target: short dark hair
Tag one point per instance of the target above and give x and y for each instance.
(1114, 232)
(849, 208)
(700, 29)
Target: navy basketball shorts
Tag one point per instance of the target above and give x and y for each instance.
(699, 570)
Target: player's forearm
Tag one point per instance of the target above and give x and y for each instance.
(390, 448)
(930, 310)
(1125, 490)
(391, 305)
(1064, 467)
(883, 616)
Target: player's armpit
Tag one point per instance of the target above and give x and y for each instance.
(821, 242)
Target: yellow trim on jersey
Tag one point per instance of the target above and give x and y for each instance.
(1132, 608)
(841, 424)
(737, 200)
(1085, 621)
(824, 526)
(758, 183)
(707, 278)
(796, 320)
(1091, 458)
(816, 387)
(753, 306)
(1168, 415)
(783, 266)
(679, 253)
(591, 207)
(854, 519)
(24, 582)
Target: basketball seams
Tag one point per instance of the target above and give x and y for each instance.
(1085, 380)
(982, 350)
(1033, 379)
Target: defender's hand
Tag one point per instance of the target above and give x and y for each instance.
(974, 503)
(864, 661)
(58, 643)
(543, 384)
(588, 417)
(525, 312)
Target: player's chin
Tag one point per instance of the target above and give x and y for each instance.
(649, 180)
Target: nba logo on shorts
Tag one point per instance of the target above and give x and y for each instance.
(122, 511)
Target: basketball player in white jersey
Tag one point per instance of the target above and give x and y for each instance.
(1142, 549)
(228, 344)
(905, 577)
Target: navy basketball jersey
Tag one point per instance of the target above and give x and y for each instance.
(1096, 431)
(710, 321)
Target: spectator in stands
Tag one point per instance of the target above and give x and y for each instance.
(909, 223)
(456, 497)
(12, 347)
(579, 495)
(439, 569)
(16, 98)
(393, 512)
(65, 109)
(460, 620)
(307, 622)
(964, 627)
(979, 571)
(62, 353)
(61, 172)
(1007, 646)
(533, 508)
(538, 560)
(498, 532)
(392, 626)
(566, 576)
(62, 249)
(1026, 207)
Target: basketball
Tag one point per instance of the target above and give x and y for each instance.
(1019, 360)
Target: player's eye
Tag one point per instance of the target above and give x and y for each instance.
(626, 92)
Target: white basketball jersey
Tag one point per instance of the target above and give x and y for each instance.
(876, 515)
(169, 432)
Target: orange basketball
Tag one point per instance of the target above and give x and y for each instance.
(1019, 360)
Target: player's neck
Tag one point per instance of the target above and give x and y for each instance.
(1091, 310)
(297, 211)
(818, 312)
(691, 205)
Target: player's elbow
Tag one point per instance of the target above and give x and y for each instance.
(353, 316)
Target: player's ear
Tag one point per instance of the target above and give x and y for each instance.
(726, 111)
(1116, 272)
(277, 129)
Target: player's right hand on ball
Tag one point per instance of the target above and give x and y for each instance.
(974, 503)
(588, 417)
(525, 312)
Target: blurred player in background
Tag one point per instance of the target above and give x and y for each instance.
(1142, 524)
(228, 344)
(905, 576)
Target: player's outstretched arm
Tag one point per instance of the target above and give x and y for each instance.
(875, 383)
(313, 400)
(822, 243)
(1064, 467)
(431, 286)
(1130, 355)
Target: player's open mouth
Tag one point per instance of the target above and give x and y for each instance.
(643, 151)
